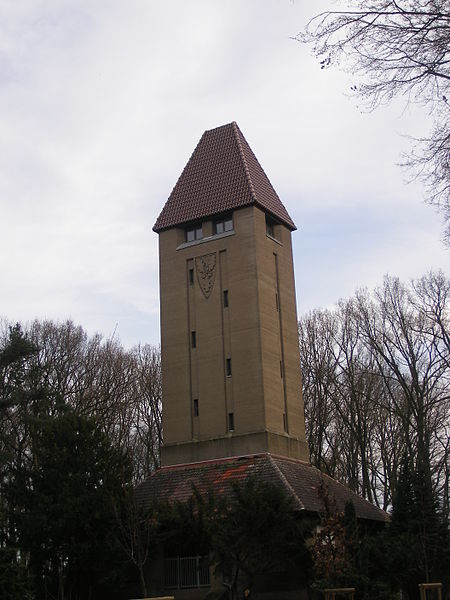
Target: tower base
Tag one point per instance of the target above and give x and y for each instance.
(234, 445)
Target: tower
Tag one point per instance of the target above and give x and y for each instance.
(230, 358)
(232, 403)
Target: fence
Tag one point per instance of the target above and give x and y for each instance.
(186, 572)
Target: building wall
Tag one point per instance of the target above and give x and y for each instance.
(257, 332)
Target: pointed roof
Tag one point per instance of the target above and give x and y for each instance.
(222, 174)
(301, 480)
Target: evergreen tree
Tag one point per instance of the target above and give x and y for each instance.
(184, 528)
(257, 535)
(16, 394)
(349, 554)
(64, 507)
(417, 538)
(59, 477)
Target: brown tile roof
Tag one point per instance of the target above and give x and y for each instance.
(300, 479)
(222, 174)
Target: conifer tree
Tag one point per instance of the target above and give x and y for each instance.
(59, 474)
(417, 538)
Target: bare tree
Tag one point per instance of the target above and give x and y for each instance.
(346, 408)
(319, 377)
(137, 534)
(376, 386)
(99, 378)
(356, 396)
(432, 299)
(397, 48)
(408, 355)
(147, 412)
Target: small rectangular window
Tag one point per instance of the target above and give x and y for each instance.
(228, 367)
(193, 339)
(223, 225)
(191, 276)
(225, 298)
(230, 422)
(195, 407)
(195, 232)
(228, 224)
(270, 226)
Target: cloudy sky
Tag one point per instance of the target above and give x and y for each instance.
(103, 101)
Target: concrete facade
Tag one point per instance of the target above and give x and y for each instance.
(230, 358)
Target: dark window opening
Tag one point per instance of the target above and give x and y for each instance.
(230, 422)
(194, 233)
(195, 407)
(281, 369)
(193, 339)
(225, 298)
(191, 276)
(284, 422)
(270, 227)
(224, 225)
(228, 367)
(276, 301)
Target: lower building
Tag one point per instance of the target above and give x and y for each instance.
(190, 575)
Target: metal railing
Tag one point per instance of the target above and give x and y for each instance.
(186, 572)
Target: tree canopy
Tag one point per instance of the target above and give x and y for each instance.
(74, 418)
(397, 48)
(376, 385)
(74, 410)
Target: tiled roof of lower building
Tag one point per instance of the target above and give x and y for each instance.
(222, 175)
(301, 480)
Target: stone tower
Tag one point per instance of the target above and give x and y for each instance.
(230, 359)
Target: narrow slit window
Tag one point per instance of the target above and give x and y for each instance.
(276, 301)
(191, 276)
(193, 339)
(225, 298)
(284, 422)
(230, 421)
(228, 367)
(195, 407)
(270, 226)
(281, 369)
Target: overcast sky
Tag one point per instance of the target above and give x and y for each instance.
(102, 103)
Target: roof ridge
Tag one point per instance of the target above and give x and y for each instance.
(285, 481)
(292, 459)
(236, 132)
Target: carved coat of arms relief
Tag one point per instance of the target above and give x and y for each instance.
(205, 267)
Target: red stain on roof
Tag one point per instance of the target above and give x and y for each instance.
(231, 473)
(222, 174)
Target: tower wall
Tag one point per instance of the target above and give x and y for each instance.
(256, 332)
